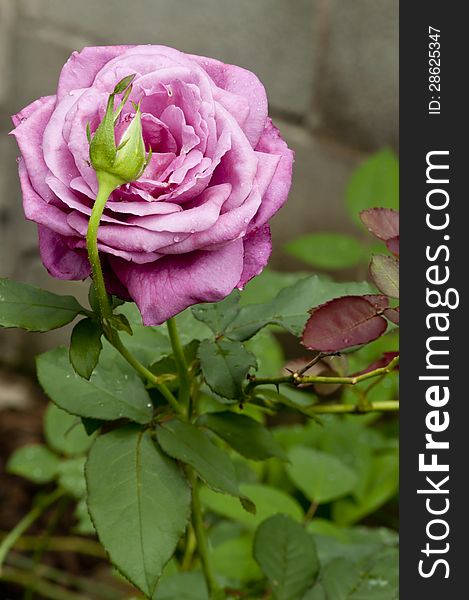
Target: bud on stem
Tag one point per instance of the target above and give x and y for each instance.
(114, 166)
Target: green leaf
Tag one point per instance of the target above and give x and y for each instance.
(320, 476)
(190, 328)
(64, 432)
(31, 308)
(147, 344)
(243, 434)
(380, 486)
(287, 555)
(385, 273)
(139, 503)
(72, 476)
(268, 500)
(268, 352)
(218, 315)
(289, 309)
(121, 323)
(264, 287)
(85, 347)
(374, 578)
(191, 445)
(84, 524)
(233, 559)
(354, 544)
(182, 586)
(114, 390)
(327, 250)
(168, 366)
(315, 593)
(225, 365)
(374, 184)
(34, 462)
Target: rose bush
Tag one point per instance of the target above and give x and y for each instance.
(195, 225)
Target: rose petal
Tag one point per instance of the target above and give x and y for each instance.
(228, 227)
(81, 68)
(239, 164)
(31, 123)
(184, 134)
(277, 192)
(257, 251)
(198, 218)
(58, 157)
(241, 82)
(136, 257)
(60, 261)
(36, 208)
(165, 288)
(129, 238)
(157, 135)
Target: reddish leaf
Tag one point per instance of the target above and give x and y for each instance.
(392, 314)
(379, 301)
(393, 245)
(384, 271)
(381, 222)
(380, 363)
(343, 323)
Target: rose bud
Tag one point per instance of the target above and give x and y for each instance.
(126, 162)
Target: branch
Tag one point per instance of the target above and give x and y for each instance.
(296, 379)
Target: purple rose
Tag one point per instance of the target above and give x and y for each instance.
(195, 225)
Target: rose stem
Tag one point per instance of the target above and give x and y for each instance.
(181, 362)
(214, 590)
(10, 540)
(107, 184)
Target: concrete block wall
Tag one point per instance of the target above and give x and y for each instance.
(329, 66)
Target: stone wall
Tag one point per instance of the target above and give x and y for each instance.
(329, 66)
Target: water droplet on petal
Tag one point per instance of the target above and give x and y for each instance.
(176, 239)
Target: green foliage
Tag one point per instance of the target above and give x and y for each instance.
(374, 578)
(374, 183)
(268, 500)
(225, 365)
(280, 497)
(114, 390)
(64, 432)
(327, 250)
(385, 273)
(71, 476)
(243, 434)
(189, 444)
(380, 484)
(85, 347)
(289, 309)
(320, 476)
(34, 462)
(33, 309)
(233, 559)
(287, 555)
(139, 503)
